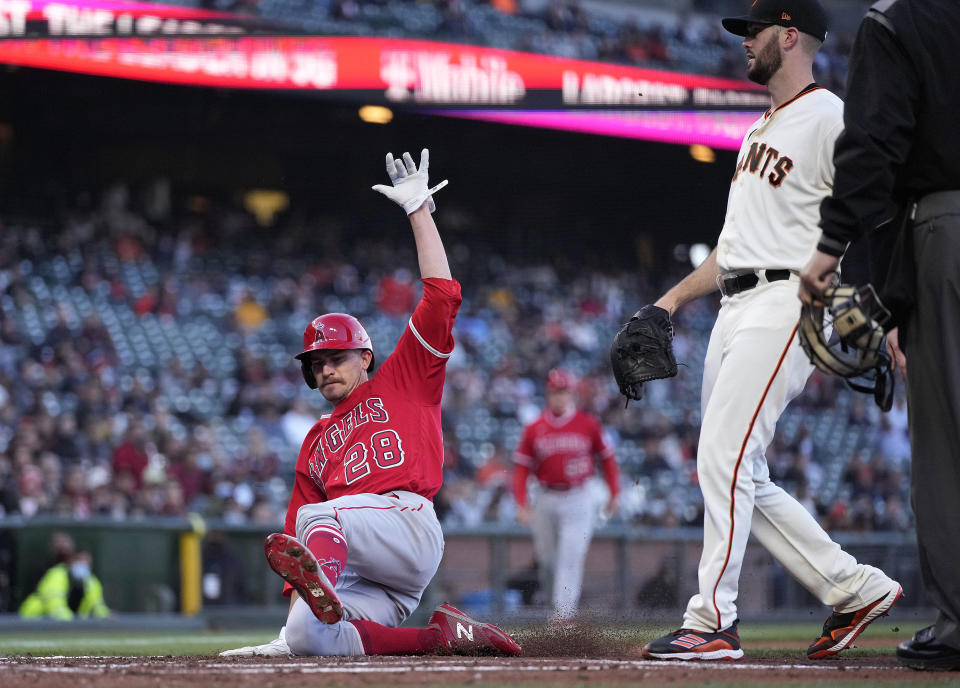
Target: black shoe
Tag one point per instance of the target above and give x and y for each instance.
(840, 630)
(925, 653)
(700, 645)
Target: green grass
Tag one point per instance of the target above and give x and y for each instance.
(787, 641)
(806, 632)
(788, 635)
(796, 632)
(127, 644)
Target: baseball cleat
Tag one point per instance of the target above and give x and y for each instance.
(275, 648)
(699, 645)
(465, 636)
(296, 564)
(840, 630)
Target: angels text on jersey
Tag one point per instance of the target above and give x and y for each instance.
(383, 449)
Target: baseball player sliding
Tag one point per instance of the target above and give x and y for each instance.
(361, 540)
(754, 365)
(560, 448)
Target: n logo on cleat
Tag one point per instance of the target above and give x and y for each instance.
(461, 631)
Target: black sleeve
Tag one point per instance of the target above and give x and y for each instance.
(879, 119)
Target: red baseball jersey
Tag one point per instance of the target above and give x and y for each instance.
(560, 452)
(386, 434)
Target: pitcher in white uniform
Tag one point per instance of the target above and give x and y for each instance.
(754, 365)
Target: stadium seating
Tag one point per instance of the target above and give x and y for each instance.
(680, 36)
(115, 338)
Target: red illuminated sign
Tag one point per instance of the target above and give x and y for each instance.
(180, 45)
(391, 70)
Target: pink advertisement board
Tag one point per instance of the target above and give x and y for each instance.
(177, 45)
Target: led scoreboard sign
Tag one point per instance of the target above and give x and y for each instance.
(180, 45)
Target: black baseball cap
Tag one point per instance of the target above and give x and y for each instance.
(807, 16)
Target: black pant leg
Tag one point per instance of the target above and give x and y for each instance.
(933, 384)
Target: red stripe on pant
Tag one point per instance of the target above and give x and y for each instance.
(736, 470)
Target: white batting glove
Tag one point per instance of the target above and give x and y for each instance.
(275, 648)
(410, 183)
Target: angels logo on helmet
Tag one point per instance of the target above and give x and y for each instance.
(318, 326)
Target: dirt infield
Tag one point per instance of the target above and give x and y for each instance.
(552, 658)
(142, 672)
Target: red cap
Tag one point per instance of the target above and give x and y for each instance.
(560, 379)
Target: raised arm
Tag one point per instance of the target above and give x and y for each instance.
(700, 282)
(411, 191)
(430, 251)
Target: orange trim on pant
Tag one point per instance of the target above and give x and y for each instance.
(736, 469)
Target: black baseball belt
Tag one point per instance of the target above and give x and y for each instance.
(736, 284)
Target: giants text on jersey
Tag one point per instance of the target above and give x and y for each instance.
(784, 170)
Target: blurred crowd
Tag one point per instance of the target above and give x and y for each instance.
(146, 369)
(688, 38)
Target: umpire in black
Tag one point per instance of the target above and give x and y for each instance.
(898, 175)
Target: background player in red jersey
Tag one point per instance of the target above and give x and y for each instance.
(560, 448)
(361, 540)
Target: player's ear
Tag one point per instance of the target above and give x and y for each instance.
(366, 357)
(789, 37)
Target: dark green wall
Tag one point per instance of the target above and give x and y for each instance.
(138, 562)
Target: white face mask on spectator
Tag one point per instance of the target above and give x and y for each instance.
(80, 570)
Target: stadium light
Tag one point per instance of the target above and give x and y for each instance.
(265, 204)
(702, 153)
(698, 254)
(375, 114)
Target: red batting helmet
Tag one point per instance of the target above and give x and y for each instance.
(560, 379)
(333, 331)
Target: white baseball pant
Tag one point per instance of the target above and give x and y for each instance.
(395, 545)
(754, 367)
(562, 526)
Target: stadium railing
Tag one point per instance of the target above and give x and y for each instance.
(216, 569)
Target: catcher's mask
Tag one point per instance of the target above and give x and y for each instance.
(331, 331)
(842, 335)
